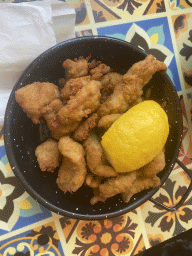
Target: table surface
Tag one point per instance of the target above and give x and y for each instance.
(28, 228)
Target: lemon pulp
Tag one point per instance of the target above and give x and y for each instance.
(136, 137)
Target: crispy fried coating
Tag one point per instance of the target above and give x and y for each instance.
(115, 103)
(86, 101)
(139, 75)
(109, 81)
(33, 97)
(62, 81)
(155, 166)
(96, 160)
(106, 121)
(114, 186)
(99, 71)
(139, 185)
(73, 169)
(76, 68)
(94, 63)
(57, 129)
(84, 129)
(131, 87)
(91, 91)
(48, 155)
(148, 178)
(72, 86)
(93, 181)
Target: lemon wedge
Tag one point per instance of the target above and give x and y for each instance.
(136, 137)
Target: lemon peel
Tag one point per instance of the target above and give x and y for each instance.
(136, 137)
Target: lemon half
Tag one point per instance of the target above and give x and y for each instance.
(136, 137)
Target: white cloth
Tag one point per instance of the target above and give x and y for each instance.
(27, 30)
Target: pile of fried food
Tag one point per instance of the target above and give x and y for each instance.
(91, 98)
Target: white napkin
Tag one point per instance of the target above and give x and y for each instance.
(27, 30)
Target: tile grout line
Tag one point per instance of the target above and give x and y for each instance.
(182, 11)
(129, 20)
(91, 25)
(26, 228)
(143, 230)
(178, 62)
(83, 27)
(189, 90)
(61, 237)
(174, 43)
(187, 112)
(115, 22)
(91, 17)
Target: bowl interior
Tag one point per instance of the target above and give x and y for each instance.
(22, 136)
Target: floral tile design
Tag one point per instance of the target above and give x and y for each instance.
(189, 97)
(68, 225)
(153, 36)
(185, 154)
(17, 208)
(120, 9)
(183, 34)
(123, 235)
(6, 1)
(120, 235)
(17, 1)
(154, 240)
(175, 5)
(88, 32)
(155, 7)
(103, 13)
(161, 224)
(139, 247)
(82, 17)
(42, 240)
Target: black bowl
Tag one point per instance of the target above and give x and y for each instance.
(22, 136)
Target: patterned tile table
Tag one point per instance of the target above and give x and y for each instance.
(160, 27)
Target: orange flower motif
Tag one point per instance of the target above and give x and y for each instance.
(105, 237)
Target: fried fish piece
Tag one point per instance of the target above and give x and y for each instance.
(62, 81)
(106, 121)
(114, 186)
(86, 101)
(96, 160)
(77, 68)
(131, 87)
(48, 155)
(155, 166)
(73, 169)
(93, 181)
(115, 103)
(84, 129)
(109, 81)
(99, 71)
(139, 185)
(72, 86)
(57, 129)
(33, 97)
(139, 75)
